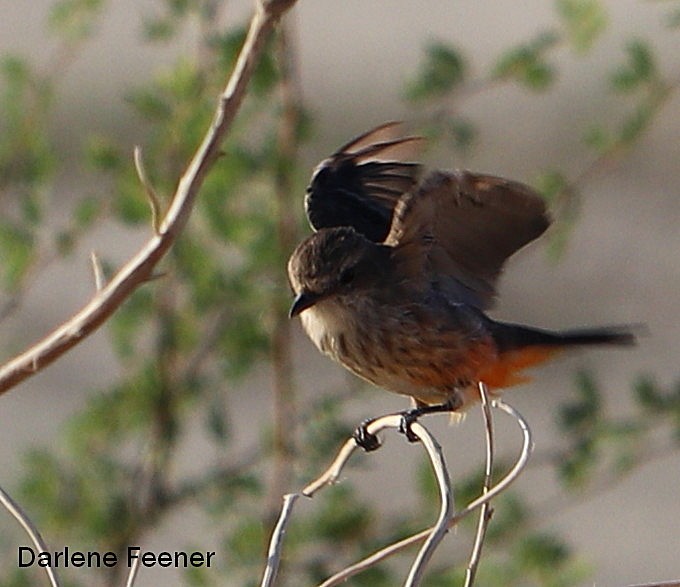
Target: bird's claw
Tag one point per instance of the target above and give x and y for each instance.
(365, 439)
(407, 420)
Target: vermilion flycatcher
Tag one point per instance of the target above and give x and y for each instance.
(395, 280)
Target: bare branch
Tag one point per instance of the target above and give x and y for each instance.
(98, 272)
(331, 475)
(440, 529)
(132, 575)
(148, 188)
(20, 516)
(138, 270)
(502, 485)
(485, 511)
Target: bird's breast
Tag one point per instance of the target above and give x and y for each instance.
(397, 348)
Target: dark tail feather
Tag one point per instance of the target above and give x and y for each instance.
(515, 336)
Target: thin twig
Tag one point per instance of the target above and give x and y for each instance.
(331, 475)
(20, 516)
(502, 485)
(151, 194)
(276, 542)
(440, 529)
(485, 511)
(284, 404)
(132, 575)
(99, 279)
(138, 270)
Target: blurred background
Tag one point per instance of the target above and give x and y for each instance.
(182, 421)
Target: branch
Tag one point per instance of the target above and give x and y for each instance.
(20, 516)
(330, 476)
(501, 486)
(486, 511)
(139, 269)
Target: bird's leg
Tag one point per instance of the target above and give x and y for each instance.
(408, 417)
(365, 439)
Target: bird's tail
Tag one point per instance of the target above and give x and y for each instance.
(520, 347)
(510, 337)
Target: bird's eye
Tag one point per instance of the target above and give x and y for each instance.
(347, 276)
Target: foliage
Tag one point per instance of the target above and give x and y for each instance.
(185, 341)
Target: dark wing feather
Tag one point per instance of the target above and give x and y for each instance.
(360, 184)
(458, 229)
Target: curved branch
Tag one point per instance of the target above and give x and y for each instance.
(485, 511)
(330, 476)
(502, 485)
(139, 269)
(20, 516)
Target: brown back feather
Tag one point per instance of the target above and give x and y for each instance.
(458, 228)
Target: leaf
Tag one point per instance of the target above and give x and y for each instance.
(551, 185)
(444, 69)
(16, 252)
(585, 412)
(102, 154)
(648, 394)
(640, 67)
(74, 19)
(598, 138)
(584, 20)
(527, 63)
(636, 123)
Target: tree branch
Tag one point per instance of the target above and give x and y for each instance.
(139, 269)
(330, 476)
(502, 485)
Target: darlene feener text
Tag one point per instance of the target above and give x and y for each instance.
(66, 557)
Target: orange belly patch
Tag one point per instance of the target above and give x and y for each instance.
(506, 371)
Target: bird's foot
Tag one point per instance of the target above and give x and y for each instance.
(409, 417)
(365, 439)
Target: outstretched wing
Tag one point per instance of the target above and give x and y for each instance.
(458, 229)
(360, 184)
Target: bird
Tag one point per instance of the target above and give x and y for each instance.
(397, 278)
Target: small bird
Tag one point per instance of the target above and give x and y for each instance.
(396, 279)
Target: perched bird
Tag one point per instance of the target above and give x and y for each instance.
(395, 281)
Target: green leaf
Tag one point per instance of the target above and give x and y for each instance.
(585, 412)
(102, 154)
(150, 105)
(544, 552)
(648, 394)
(463, 133)
(16, 252)
(636, 123)
(527, 63)
(129, 321)
(584, 20)
(551, 185)
(74, 19)
(640, 67)
(86, 212)
(598, 138)
(265, 75)
(342, 517)
(159, 29)
(443, 70)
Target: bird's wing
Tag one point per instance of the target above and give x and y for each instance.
(360, 184)
(458, 228)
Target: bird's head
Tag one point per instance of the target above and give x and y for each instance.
(334, 262)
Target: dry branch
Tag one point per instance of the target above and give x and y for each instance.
(485, 511)
(139, 269)
(20, 516)
(502, 485)
(330, 476)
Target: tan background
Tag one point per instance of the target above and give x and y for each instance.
(622, 264)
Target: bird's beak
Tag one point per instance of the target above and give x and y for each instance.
(301, 302)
